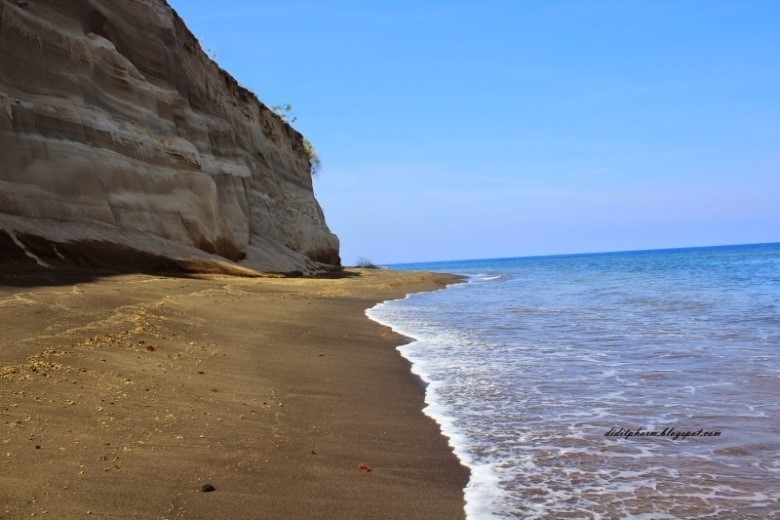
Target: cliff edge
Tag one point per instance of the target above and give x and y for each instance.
(123, 146)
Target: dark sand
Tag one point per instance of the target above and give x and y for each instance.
(121, 396)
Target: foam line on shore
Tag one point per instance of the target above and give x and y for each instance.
(482, 494)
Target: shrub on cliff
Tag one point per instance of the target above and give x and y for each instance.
(314, 158)
(286, 113)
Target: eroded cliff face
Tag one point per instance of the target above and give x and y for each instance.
(121, 139)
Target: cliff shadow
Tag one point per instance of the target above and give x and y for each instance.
(29, 261)
(31, 277)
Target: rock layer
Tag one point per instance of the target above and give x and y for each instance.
(117, 129)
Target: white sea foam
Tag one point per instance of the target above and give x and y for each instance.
(482, 494)
(527, 371)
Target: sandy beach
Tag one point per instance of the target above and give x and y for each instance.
(121, 396)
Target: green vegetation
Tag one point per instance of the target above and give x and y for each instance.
(314, 158)
(285, 111)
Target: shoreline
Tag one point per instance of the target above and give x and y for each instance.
(122, 396)
(481, 495)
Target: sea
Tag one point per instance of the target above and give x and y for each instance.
(639, 385)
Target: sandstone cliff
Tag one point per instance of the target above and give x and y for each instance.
(122, 145)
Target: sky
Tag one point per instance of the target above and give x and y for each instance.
(456, 129)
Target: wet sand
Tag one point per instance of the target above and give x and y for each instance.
(121, 396)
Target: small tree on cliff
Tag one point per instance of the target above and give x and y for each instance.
(286, 113)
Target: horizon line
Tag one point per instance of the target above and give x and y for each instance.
(583, 253)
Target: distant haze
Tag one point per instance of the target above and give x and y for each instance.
(478, 129)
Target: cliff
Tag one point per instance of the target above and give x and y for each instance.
(122, 145)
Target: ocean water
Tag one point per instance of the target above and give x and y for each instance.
(532, 361)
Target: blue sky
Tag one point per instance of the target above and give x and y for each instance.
(478, 129)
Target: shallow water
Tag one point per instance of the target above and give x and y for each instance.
(533, 360)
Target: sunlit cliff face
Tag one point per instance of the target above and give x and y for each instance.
(116, 128)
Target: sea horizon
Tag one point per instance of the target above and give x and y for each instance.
(561, 255)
